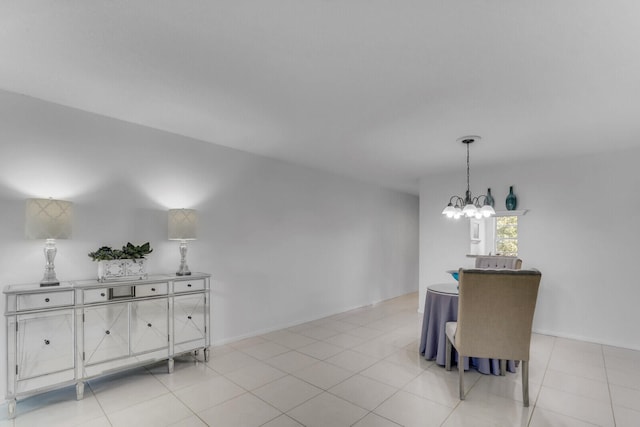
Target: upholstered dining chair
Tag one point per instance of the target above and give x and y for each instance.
(498, 261)
(495, 314)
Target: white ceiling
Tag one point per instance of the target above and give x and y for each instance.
(375, 89)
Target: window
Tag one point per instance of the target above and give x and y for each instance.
(497, 235)
(506, 235)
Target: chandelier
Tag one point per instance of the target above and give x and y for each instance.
(470, 207)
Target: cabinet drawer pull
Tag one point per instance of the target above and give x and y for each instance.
(149, 324)
(153, 289)
(189, 317)
(46, 342)
(107, 332)
(189, 285)
(47, 300)
(102, 294)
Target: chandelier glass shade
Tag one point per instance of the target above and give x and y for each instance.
(468, 206)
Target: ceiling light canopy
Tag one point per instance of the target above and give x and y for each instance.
(469, 206)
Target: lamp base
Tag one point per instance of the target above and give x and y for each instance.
(184, 268)
(49, 278)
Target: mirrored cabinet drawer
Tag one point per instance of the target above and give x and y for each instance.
(96, 295)
(44, 300)
(151, 290)
(188, 285)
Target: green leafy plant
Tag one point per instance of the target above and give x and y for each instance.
(129, 251)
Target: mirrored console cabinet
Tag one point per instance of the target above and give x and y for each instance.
(68, 334)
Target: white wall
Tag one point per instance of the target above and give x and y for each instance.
(284, 243)
(581, 231)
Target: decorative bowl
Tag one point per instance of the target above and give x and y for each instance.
(453, 273)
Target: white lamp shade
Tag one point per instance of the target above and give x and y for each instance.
(48, 219)
(487, 211)
(183, 224)
(469, 210)
(449, 211)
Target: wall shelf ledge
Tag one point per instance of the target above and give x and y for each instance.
(519, 212)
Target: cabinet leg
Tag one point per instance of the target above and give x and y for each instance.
(11, 408)
(170, 365)
(206, 354)
(79, 390)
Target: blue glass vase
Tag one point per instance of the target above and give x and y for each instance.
(512, 200)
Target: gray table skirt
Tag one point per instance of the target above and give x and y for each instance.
(438, 310)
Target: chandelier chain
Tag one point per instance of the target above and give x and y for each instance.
(468, 188)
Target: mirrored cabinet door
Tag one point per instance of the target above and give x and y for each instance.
(189, 318)
(149, 325)
(106, 333)
(45, 344)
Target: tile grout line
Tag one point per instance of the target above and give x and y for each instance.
(88, 385)
(546, 369)
(560, 390)
(606, 374)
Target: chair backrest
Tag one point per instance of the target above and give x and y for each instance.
(495, 312)
(497, 261)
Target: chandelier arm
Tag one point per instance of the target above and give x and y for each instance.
(480, 200)
(456, 202)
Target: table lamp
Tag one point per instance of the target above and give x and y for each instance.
(182, 226)
(48, 219)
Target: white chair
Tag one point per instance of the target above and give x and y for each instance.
(498, 261)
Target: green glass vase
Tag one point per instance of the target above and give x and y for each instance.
(489, 200)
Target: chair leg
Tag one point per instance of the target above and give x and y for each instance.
(447, 365)
(461, 373)
(503, 367)
(525, 383)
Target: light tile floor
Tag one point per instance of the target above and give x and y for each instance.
(359, 368)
